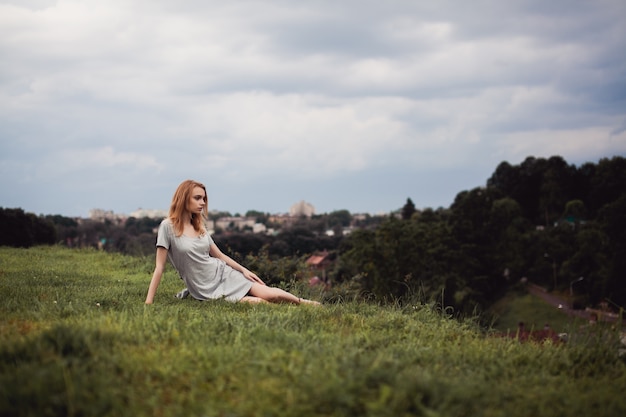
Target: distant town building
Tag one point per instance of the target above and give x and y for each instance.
(345, 231)
(259, 228)
(301, 209)
(99, 215)
(280, 219)
(318, 264)
(235, 223)
(150, 213)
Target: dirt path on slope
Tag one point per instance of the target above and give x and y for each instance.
(563, 304)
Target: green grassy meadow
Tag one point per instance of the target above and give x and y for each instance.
(77, 340)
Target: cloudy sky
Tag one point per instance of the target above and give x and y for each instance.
(352, 104)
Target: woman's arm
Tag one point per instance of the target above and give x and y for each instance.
(161, 258)
(215, 252)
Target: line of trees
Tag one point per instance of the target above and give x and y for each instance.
(136, 236)
(543, 220)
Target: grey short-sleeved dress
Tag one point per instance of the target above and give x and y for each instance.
(206, 277)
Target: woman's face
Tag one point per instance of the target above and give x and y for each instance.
(197, 200)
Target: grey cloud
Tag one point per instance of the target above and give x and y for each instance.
(250, 91)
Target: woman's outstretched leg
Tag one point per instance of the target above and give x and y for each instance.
(253, 300)
(276, 295)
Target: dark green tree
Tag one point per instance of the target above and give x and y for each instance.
(21, 229)
(608, 183)
(258, 215)
(613, 222)
(470, 220)
(340, 218)
(408, 209)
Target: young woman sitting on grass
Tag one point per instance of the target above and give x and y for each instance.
(208, 273)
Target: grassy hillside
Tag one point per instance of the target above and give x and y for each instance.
(519, 306)
(77, 340)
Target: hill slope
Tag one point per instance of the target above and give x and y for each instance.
(76, 339)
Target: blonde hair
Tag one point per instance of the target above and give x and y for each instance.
(178, 208)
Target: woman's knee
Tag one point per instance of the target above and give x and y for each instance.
(260, 291)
